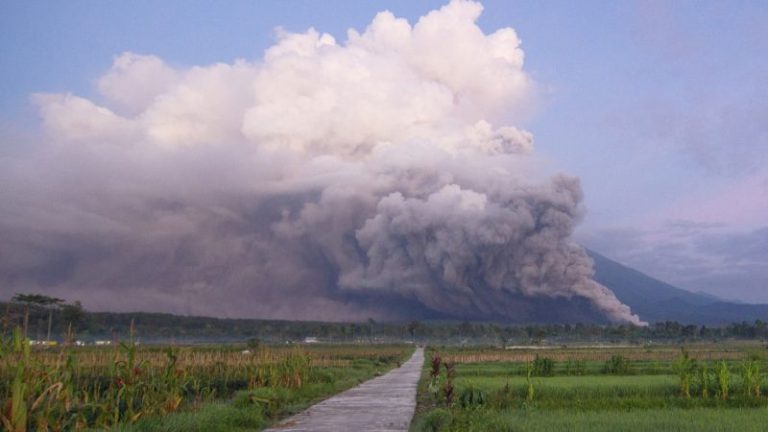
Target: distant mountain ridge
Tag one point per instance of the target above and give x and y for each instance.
(654, 300)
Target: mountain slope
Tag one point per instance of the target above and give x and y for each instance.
(655, 300)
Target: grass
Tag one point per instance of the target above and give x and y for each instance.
(211, 417)
(675, 419)
(254, 409)
(678, 394)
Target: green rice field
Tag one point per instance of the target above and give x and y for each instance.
(704, 388)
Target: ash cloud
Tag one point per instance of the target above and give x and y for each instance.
(379, 177)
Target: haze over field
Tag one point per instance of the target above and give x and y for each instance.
(385, 173)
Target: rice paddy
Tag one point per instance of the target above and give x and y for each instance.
(706, 387)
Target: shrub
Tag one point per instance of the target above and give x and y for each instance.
(471, 397)
(617, 365)
(575, 367)
(543, 366)
(436, 361)
(437, 420)
(503, 398)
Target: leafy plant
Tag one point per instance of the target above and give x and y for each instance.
(529, 394)
(472, 397)
(704, 376)
(575, 367)
(751, 378)
(437, 420)
(617, 365)
(543, 366)
(434, 377)
(685, 367)
(448, 388)
(723, 380)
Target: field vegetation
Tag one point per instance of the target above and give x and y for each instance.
(707, 387)
(128, 387)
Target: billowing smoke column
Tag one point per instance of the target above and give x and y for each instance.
(327, 181)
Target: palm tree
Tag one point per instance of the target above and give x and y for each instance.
(38, 300)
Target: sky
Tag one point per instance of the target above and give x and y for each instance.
(659, 108)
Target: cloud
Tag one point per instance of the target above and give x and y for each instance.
(383, 176)
(134, 81)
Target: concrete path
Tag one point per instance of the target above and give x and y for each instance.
(382, 404)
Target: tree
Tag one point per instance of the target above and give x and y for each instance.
(73, 314)
(38, 300)
(413, 327)
(465, 329)
(253, 343)
(371, 328)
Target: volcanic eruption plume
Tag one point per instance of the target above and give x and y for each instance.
(379, 177)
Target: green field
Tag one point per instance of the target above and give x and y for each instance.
(583, 393)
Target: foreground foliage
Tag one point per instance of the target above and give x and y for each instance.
(109, 388)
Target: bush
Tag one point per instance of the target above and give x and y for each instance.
(471, 397)
(617, 365)
(436, 420)
(543, 366)
(575, 367)
(503, 398)
(253, 343)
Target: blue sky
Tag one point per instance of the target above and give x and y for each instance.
(661, 108)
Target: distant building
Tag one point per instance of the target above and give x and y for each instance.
(42, 342)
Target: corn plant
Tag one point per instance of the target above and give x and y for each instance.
(750, 375)
(529, 391)
(105, 388)
(448, 389)
(434, 376)
(14, 416)
(174, 383)
(293, 371)
(704, 378)
(685, 367)
(723, 380)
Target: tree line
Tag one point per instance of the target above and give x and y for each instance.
(43, 317)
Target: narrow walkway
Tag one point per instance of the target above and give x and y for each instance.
(382, 404)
